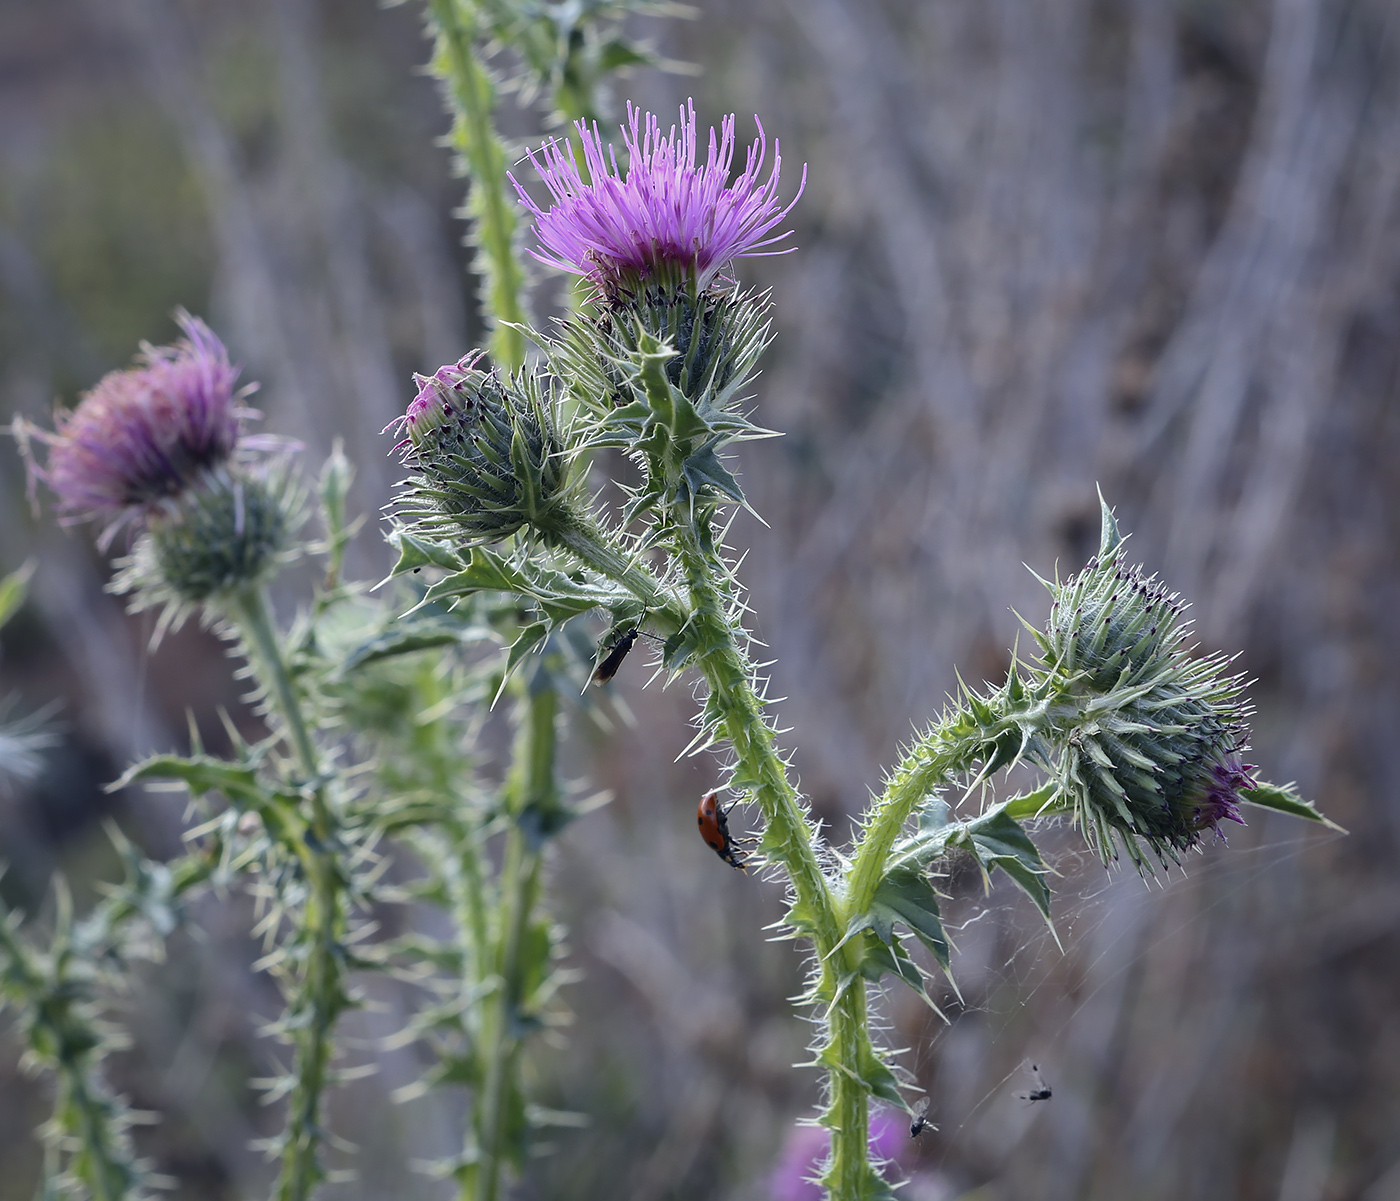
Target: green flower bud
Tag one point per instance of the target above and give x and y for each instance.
(1143, 736)
(227, 531)
(487, 455)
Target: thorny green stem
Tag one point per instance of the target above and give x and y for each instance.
(788, 840)
(922, 772)
(532, 786)
(726, 670)
(434, 740)
(492, 202)
(321, 987)
(849, 1110)
(83, 1111)
(579, 534)
(109, 1178)
(249, 612)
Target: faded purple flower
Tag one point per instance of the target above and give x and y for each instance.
(1219, 800)
(666, 216)
(145, 433)
(806, 1148)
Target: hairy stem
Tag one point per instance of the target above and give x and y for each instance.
(848, 1110)
(789, 839)
(492, 200)
(88, 1129)
(789, 828)
(319, 995)
(532, 788)
(737, 713)
(926, 769)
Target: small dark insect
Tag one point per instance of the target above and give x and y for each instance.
(1041, 1091)
(714, 829)
(616, 653)
(920, 1116)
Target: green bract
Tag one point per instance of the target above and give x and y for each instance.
(487, 455)
(226, 533)
(1142, 735)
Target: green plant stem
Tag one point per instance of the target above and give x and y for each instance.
(848, 1110)
(788, 838)
(63, 1037)
(581, 535)
(434, 745)
(492, 201)
(320, 993)
(532, 788)
(249, 611)
(920, 774)
(107, 1175)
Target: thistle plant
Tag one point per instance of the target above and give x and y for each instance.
(372, 698)
(1140, 742)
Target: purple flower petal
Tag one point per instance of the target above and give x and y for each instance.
(144, 433)
(666, 214)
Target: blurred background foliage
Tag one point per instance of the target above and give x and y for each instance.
(1045, 243)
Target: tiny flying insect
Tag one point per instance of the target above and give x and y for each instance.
(920, 1121)
(1040, 1092)
(616, 653)
(713, 821)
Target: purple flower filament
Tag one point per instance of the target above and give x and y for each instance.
(145, 433)
(666, 216)
(1221, 799)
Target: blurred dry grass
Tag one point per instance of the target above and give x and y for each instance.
(1154, 246)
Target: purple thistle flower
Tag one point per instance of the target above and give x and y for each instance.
(666, 216)
(145, 433)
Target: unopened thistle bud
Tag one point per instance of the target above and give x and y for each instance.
(144, 435)
(1146, 736)
(227, 532)
(486, 454)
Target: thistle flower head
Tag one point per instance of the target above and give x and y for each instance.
(1146, 736)
(666, 219)
(486, 454)
(227, 531)
(147, 433)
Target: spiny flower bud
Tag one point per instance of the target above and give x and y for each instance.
(226, 532)
(1146, 737)
(487, 455)
(145, 434)
(667, 220)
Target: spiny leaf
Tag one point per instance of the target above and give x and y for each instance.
(997, 840)
(416, 553)
(1284, 799)
(906, 895)
(410, 634)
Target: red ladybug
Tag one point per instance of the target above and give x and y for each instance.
(714, 829)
